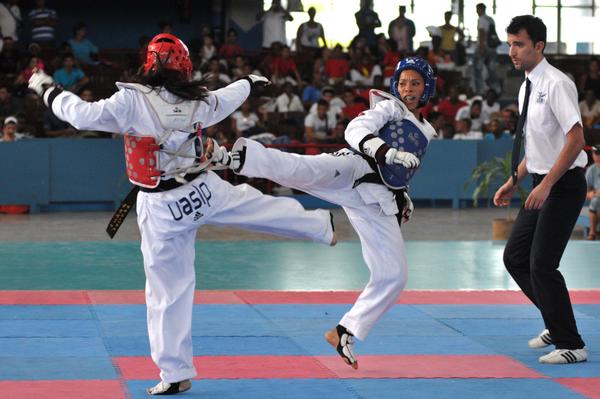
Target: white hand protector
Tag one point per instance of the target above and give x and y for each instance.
(408, 208)
(215, 154)
(39, 82)
(406, 159)
(257, 83)
(255, 79)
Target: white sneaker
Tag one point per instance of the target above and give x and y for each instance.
(541, 341)
(166, 388)
(565, 356)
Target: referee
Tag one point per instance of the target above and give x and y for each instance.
(550, 123)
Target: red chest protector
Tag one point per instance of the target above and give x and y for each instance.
(142, 160)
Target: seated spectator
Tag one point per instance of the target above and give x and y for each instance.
(288, 101)
(43, 23)
(230, 48)
(590, 109)
(33, 64)
(489, 106)
(10, 57)
(363, 73)
(450, 105)
(284, 69)
(8, 105)
(70, 77)
(83, 50)
(335, 103)
(495, 130)
(312, 92)
(356, 106)
(592, 176)
(472, 112)
(245, 122)
(464, 132)
(9, 130)
(237, 67)
(509, 118)
(215, 75)
(337, 66)
(318, 127)
(208, 50)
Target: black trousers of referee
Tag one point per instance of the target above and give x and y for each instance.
(535, 247)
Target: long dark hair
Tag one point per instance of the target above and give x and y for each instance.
(172, 80)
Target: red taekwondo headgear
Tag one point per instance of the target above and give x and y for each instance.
(170, 52)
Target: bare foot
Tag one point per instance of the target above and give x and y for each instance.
(333, 240)
(333, 338)
(591, 237)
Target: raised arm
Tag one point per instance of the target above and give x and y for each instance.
(109, 115)
(222, 102)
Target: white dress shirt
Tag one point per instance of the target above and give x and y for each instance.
(553, 111)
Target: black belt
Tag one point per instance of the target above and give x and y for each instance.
(121, 213)
(170, 184)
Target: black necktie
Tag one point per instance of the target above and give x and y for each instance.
(516, 151)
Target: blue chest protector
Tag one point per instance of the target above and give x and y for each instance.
(402, 135)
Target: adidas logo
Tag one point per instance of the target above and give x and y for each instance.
(197, 216)
(177, 110)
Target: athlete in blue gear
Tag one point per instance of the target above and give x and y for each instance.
(369, 181)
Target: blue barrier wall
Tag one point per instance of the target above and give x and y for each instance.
(49, 173)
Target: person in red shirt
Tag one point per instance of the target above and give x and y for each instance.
(284, 69)
(230, 48)
(450, 105)
(337, 67)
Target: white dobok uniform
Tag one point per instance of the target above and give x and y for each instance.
(168, 220)
(371, 207)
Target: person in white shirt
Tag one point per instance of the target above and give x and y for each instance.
(590, 109)
(245, 122)
(489, 106)
(9, 130)
(550, 123)
(318, 127)
(369, 180)
(161, 118)
(288, 101)
(336, 104)
(464, 131)
(273, 21)
(473, 114)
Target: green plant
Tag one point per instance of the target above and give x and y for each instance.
(492, 173)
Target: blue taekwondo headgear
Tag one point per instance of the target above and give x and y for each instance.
(420, 65)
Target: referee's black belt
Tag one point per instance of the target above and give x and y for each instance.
(576, 170)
